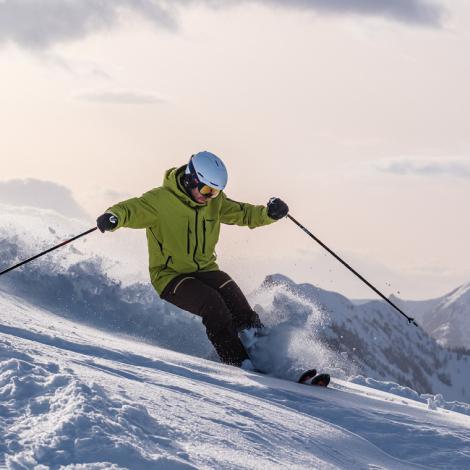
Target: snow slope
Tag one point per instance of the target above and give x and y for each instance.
(73, 397)
(309, 326)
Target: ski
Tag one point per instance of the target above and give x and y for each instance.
(310, 377)
(321, 380)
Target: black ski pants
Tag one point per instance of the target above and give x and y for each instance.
(214, 296)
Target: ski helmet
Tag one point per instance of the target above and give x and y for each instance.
(206, 169)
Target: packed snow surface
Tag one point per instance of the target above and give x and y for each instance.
(72, 397)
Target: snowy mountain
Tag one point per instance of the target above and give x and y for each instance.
(73, 397)
(447, 318)
(370, 338)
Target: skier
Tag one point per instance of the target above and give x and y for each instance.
(182, 220)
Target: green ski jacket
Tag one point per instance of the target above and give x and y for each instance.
(182, 234)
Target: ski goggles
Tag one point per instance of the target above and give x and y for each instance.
(207, 191)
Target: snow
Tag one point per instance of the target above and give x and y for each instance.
(97, 373)
(446, 318)
(369, 339)
(33, 229)
(456, 295)
(308, 325)
(433, 401)
(74, 397)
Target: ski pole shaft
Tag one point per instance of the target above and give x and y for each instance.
(310, 234)
(11, 268)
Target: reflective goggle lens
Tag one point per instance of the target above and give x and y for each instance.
(208, 191)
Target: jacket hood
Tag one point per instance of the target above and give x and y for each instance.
(172, 182)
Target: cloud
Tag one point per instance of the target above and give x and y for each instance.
(79, 68)
(38, 25)
(43, 194)
(422, 12)
(456, 167)
(119, 97)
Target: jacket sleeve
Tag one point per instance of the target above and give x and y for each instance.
(137, 212)
(241, 213)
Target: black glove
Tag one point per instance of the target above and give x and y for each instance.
(277, 209)
(106, 222)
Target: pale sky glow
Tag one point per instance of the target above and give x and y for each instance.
(356, 113)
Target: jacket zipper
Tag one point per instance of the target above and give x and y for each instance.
(204, 235)
(167, 261)
(157, 240)
(195, 246)
(188, 239)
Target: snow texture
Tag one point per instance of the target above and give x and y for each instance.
(73, 397)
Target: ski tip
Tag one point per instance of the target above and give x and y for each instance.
(321, 380)
(307, 375)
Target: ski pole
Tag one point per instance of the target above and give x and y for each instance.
(310, 234)
(11, 268)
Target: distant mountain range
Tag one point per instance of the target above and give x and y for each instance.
(446, 319)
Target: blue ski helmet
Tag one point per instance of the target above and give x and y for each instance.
(207, 168)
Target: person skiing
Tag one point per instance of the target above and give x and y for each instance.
(182, 220)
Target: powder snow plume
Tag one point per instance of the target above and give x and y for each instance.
(296, 327)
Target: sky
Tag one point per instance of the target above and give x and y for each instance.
(355, 112)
